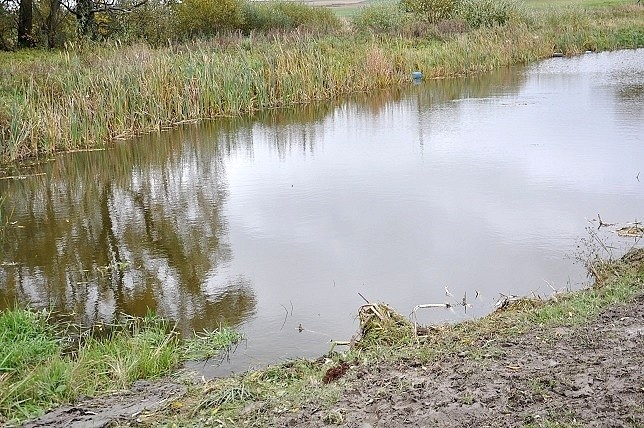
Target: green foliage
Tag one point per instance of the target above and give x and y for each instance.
(384, 19)
(432, 10)
(25, 339)
(203, 18)
(476, 13)
(8, 33)
(288, 15)
(153, 22)
(41, 365)
(208, 343)
(487, 13)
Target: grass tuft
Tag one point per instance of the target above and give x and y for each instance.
(42, 364)
(209, 343)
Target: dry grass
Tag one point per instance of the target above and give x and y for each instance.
(83, 98)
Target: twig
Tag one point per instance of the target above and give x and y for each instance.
(602, 224)
(285, 316)
(550, 285)
(425, 306)
(593, 234)
(364, 298)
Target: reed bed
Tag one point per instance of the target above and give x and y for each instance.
(83, 98)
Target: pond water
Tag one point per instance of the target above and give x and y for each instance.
(273, 225)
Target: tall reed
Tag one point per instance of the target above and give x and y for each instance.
(80, 98)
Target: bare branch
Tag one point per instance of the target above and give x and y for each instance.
(105, 7)
(69, 9)
(109, 7)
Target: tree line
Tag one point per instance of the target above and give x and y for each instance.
(52, 23)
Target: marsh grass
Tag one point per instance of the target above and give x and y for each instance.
(253, 398)
(209, 343)
(43, 363)
(88, 96)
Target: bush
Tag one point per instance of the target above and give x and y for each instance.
(380, 20)
(286, 15)
(487, 13)
(152, 22)
(433, 10)
(208, 17)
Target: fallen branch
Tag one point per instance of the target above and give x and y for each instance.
(426, 306)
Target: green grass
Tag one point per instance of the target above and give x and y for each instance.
(43, 364)
(351, 11)
(539, 4)
(209, 343)
(252, 398)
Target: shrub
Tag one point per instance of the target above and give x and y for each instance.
(433, 10)
(208, 17)
(387, 19)
(487, 13)
(152, 22)
(7, 29)
(286, 15)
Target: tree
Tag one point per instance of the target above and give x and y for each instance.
(208, 17)
(26, 24)
(85, 12)
(7, 25)
(49, 20)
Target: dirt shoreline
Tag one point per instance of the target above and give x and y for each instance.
(589, 375)
(584, 375)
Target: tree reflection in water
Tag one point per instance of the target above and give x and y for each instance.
(128, 229)
(141, 225)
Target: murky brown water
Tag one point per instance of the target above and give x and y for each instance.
(478, 186)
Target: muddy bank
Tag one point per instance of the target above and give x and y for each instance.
(587, 375)
(590, 375)
(573, 361)
(121, 407)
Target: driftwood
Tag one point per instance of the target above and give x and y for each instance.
(424, 331)
(631, 231)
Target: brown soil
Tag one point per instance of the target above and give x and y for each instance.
(589, 375)
(111, 409)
